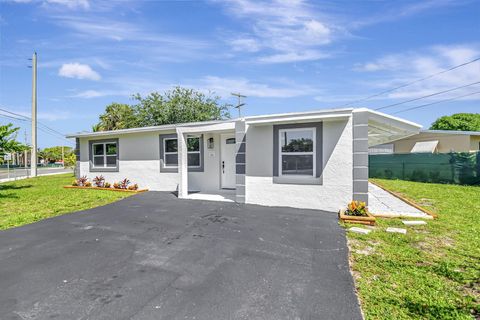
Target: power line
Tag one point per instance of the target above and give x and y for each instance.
(10, 117)
(427, 96)
(440, 101)
(412, 82)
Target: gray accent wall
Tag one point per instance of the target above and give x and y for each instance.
(90, 155)
(360, 156)
(240, 160)
(77, 157)
(318, 146)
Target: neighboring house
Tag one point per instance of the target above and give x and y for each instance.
(316, 160)
(432, 141)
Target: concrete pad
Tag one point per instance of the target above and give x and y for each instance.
(397, 230)
(414, 223)
(359, 230)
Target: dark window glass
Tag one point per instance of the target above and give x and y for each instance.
(297, 141)
(230, 141)
(98, 161)
(170, 145)
(111, 148)
(98, 149)
(193, 144)
(171, 159)
(297, 165)
(194, 159)
(111, 161)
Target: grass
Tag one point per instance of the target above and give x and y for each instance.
(30, 200)
(432, 272)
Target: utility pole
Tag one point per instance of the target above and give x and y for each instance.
(33, 160)
(240, 104)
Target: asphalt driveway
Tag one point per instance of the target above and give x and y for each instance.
(152, 256)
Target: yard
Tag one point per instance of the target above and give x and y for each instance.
(432, 272)
(30, 200)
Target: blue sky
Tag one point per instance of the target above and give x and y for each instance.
(284, 55)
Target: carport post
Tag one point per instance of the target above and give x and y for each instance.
(182, 164)
(360, 155)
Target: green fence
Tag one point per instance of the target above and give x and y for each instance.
(457, 168)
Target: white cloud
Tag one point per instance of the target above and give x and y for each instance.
(79, 71)
(288, 31)
(410, 66)
(89, 94)
(224, 87)
(72, 4)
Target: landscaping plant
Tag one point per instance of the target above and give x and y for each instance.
(107, 185)
(124, 183)
(99, 181)
(81, 182)
(356, 208)
(133, 187)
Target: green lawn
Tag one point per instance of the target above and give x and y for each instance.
(30, 200)
(433, 272)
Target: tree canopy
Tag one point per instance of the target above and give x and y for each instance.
(178, 105)
(458, 121)
(53, 154)
(8, 134)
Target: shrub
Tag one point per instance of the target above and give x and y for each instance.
(99, 181)
(133, 187)
(356, 208)
(74, 183)
(82, 181)
(107, 185)
(88, 184)
(116, 185)
(124, 183)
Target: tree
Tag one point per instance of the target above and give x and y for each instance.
(8, 134)
(54, 154)
(458, 121)
(179, 105)
(116, 116)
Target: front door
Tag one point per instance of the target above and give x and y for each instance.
(227, 161)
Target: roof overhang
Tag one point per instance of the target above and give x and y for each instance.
(313, 116)
(384, 128)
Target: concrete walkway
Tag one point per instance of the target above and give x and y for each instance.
(383, 203)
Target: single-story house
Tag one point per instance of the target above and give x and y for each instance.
(316, 159)
(432, 141)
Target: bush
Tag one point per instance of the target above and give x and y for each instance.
(133, 187)
(107, 185)
(88, 184)
(74, 183)
(356, 208)
(124, 183)
(82, 181)
(99, 181)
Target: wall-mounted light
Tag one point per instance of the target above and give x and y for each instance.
(210, 144)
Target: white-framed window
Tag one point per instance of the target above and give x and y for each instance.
(170, 151)
(297, 154)
(104, 154)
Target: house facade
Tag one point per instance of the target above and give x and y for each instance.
(315, 160)
(433, 141)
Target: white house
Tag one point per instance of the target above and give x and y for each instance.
(316, 160)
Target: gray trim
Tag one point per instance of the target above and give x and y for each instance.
(240, 160)
(90, 155)
(318, 146)
(77, 149)
(164, 168)
(360, 156)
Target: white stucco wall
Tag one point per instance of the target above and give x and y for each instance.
(336, 187)
(139, 162)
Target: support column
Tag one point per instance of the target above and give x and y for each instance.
(240, 159)
(182, 164)
(77, 158)
(360, 155)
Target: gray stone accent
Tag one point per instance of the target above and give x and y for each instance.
(164, 168)
(240, 160)
(318, 146)
(360, 156)
(90, 156)
(77, 157)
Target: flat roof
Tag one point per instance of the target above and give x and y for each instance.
(468, 133)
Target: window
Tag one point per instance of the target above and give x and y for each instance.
(104, 154)
(297, 152)
(170, 152)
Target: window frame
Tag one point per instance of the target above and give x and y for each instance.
(312, 153)
(174, 168)
(92, 156)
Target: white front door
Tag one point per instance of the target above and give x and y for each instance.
(227, 161)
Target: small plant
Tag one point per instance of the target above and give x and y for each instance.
(99, 181)
(133, 187)
(107, 185)
(356, 208)
(88, 184)
(81, 182)
(124, 183)
(74, 183)
(116, 185)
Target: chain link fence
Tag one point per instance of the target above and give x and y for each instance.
(456, 167)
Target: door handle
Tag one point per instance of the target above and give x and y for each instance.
(223, 166)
